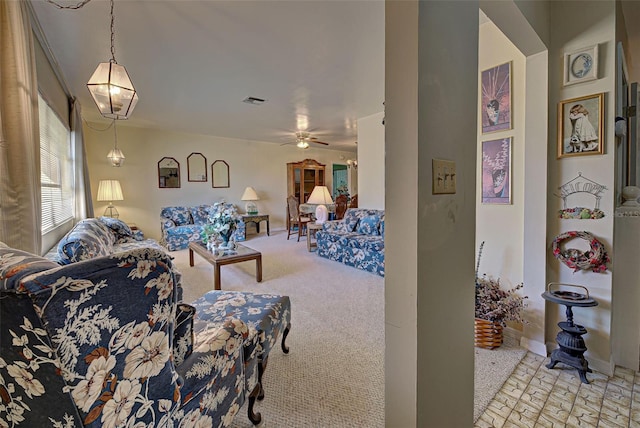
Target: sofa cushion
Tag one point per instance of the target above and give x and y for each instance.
(179, 215)
(364, 242)
(88, 239)
(368, 225)
(119, 228)
(350, 219)
(200, 214)
(17, 264)
(382, 226)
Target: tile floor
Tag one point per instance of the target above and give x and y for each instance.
(535, 396)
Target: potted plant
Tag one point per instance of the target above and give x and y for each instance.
(494, 306)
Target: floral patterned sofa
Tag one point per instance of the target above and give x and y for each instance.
(104, 342)
(180, 225)
(356, 240)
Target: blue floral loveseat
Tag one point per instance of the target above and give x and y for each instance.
(356, 240)
(104, 342)
(180, 225)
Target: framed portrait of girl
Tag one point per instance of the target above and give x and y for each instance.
(580, 125)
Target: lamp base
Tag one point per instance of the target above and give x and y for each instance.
(251, 208)
(111, 211)
(322, 214)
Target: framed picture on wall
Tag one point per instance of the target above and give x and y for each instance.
(580, 125)
(581, 65)
(496, 171)
(496, 98)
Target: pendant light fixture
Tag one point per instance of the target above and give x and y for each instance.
(115, 156)
(111, 87)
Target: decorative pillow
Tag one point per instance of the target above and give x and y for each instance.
(88, 239)
(350, 219)
(368, 225)
(200, 214)
(120, 229)
(382, 226)
(179, 215)
(16, 264)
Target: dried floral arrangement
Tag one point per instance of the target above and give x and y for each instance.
(495, 304)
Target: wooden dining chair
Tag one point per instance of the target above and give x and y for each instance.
(341, 206)
(294, 218)
(354, 201)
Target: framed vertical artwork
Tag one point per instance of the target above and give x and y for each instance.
(581, 65)
(580, 126)
(496, 171)
(496, 98)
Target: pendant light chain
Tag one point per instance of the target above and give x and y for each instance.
(115, 133)
(113, 35)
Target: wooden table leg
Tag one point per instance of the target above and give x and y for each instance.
(259, 268)
(257, 223)
(216, 277)
(268, 228)
(190, 257)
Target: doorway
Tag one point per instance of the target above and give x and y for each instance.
(340, 180)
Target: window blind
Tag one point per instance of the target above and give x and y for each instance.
(56, 169)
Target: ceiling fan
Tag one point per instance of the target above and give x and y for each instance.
(303, 139)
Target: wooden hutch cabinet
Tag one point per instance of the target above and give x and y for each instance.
(302, 177)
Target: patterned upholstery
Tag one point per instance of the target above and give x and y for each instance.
(181, 225)
(266, 315)
(74, 352)
(356, 240)
(96, 237)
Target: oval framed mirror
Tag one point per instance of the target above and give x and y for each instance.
(220, 174)
(197, 167)
(168, 173)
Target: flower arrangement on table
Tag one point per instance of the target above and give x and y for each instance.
(221, 225)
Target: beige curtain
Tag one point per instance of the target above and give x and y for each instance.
(84, 203)
(20, 212)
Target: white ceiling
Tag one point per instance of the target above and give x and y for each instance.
(319, 64)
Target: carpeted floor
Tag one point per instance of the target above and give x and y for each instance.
(334, 374)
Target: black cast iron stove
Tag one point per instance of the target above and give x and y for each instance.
(572, 346)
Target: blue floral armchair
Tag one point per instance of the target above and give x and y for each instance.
(103, 342)
(181, 225)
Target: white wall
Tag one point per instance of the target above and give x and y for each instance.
(501, 226)
(258, 164)
(596, 25)
(371, 162)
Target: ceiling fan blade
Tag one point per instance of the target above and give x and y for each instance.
(318, 142)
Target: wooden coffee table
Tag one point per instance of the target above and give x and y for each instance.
(242, 254)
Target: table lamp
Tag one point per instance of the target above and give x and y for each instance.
(110, 190)
(321, 197)
(250, 195)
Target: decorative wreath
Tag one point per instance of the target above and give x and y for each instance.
(596, 259)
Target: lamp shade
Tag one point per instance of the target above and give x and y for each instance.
(250, 194)
(112, 90)
(116, 157)
(320, 196)
(109, 190)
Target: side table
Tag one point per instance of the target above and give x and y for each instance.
(312, 227)
(256, 219)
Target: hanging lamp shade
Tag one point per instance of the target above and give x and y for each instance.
(116, 157)
(112, 90)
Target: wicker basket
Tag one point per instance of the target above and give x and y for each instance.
(488, 334)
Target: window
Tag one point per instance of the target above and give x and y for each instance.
(56, 169)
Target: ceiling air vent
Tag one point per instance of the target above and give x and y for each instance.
(253, 100)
